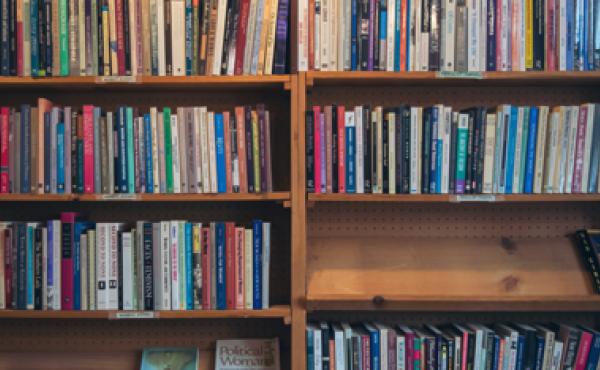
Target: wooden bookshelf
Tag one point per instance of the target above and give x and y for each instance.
(454, 198)
(279, 196)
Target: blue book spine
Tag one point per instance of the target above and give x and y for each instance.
(539, 353)
(398, 17)
(257, 264)
(50, 255)
(188, 37)
(578, 47)
(310, 349)
(189, 279)
(438, 166)
(510, 150)
(354, 41)
(148, 154)
(374, 336)
(30, 268)
(382, 33)
(496, 354)
(584, 36)
(491, 36)
(520, 352)
(531, 147)
(35, 56)
(594, 352)
(433, 151)
(130, 160)
(122, 157)
(221, 283)
(220, 149)
(569, 38)
(60, 157)
(25, 148)
(350, 160)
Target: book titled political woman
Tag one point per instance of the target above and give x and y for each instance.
(170, 358)
(246, 354)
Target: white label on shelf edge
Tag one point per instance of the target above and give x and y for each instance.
(134, 315)
(474, 198)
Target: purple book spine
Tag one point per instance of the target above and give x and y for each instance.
(371, 34)
(323, 157)
(281, 38)
(67, 146)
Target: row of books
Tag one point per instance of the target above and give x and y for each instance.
(504, 150)
(501, 346)
(53, 149)
(448, 35)
(75, 264)
(143, 37)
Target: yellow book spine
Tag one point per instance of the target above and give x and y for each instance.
(528, 34)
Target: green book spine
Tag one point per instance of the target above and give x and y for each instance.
(523, 158)
(130, 160)
(168, 149)
(461, 152)
(256, 151)
(195, 35)
(63, 24)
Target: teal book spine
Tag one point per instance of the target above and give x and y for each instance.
(35, 56)
(523, 158)
(130, 161)
(168, 149)
(189, 278)
(461, 153)
(63, 26)
(510, 149)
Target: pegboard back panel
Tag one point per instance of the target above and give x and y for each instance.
(123, 211)
(459, 97)
(447, 220)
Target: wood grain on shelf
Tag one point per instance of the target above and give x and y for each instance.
(224, 197)
(445, 268)
(342, 302)
(453, 198)
(318, 78)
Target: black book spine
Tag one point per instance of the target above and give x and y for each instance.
(406, 134)
(425, 148)
(310, 152)
(475, 154)
(148, 267)
(376, 19)
(249, 161)
(100, 45)
(450, 352)
(367, 149)
(74, 159)
(4, 38)
(399, 149)
(13, 38)
(489, 350)
(374, 153)
(22, 266)
(325, 346)
(80, 165)
(37, 281)
(538, 35)
(127, 41)
(435, 122)
(229, 21)
(539, 353)
(363, 35)
(590, 258)
(334, 150)
(468, 172)
(25, 148)
(431, 352)
(530, 350)
(452, 165)
(491, 36)
(386, 153)
(571, 350)
(48, 31)
(470, 351)
(434, 35)
(14, 254)
(481, 114)
(120, 259)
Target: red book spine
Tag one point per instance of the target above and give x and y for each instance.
(408, 344)
(227, 141)
(120, 37)
(230, 264)
(317, 131)
(403, 64)
(4, 113)
(240, 41)
(464, 347)
(550, 36)
(88, 148)
(19, 47)
(67, 220)
(241, 143)
(498, 31)
(341, 136)
(583, 350)
(239, 267)
(579, 147)
(8, 293)
(206, 256)
(366, 352)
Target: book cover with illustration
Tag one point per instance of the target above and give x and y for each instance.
(170, 359)
(247, 354)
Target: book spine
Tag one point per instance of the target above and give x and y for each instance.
(461, 153)
(220, 153)
(88, 148)
(341, 150)
(257, 238)
(221, 262)
(63, 19)
(350, 156)
(206, 272)
(531, 150)
(579, 149)
(4, 153)
(230, 250)
(279, 57)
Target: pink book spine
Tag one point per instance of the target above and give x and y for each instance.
(583, 350)
(317, 131)
(550, 36)
(88, 148)
(579, 147)
(499, 50)
(465, 345)
(120, 37)
(366, 351)
(408, 353)
(239, 267)
(19, 47)
(4, 150)
(67, 220)
(341, 149)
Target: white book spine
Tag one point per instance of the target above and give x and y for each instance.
(540, 147)
(424, 52)
(212, 152)
(182, 271)
(198, 147)
(400, 352)
(162, 58)
(587, 149)
(383, 353)
(177, 37)
(174, 242)
(347, 48)
(132, 37)
(139, 248)
(557, 355)
(317, 36)
(84, 271)
(518, 151)
(488, 160)
(260, 10)
(127, 260)
(483, 20)
(562, 150)
(392, 152)
(182, 135)
(113, 268)
(449, 35)
(504, 36)
(522, 35)
(81, 28)
(333, 34)
(415, 38)
(45, 260)
(175, 154)
(324, 35)
(415, 148)
(248, 271)
(155, 161)
(57, 256)
(250, 36)
(205, 160)
(391, 24)
(562, 35)
(343, 6)
(303, 35)
(340, 353)
(359, 158)
(473, 37)
(266, 262)
(498, 151)
(220, 32)
(165, 265)
(318, 365)
(573, 123)
(551, 144)
(446, 150)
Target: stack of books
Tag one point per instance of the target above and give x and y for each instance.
(72, 264)
(435, 150)
(451, 347)
(52, 149)
(143, 37)
(448, 35)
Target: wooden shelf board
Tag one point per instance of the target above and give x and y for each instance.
(317, 78)
(117, 82)
(583, 303)
(227, 197)
(281, 311)
(453, 198)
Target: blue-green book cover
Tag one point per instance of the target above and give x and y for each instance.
(130, 161)
(170, 358)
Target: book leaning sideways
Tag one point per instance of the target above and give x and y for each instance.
(247, 354)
